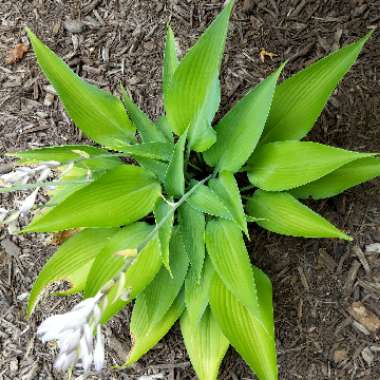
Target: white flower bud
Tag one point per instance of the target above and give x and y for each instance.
(28, 202)
(69, 341)
(99, 350)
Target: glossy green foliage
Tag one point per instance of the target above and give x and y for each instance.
(163, 216)
(299, 100)
(285, 215)
(97, 113)
(240, 129)
(288, 164)
(192, 81)
(72, 262)
(119, 197)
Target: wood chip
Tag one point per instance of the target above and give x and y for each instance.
(365, 317)
(16, 54)
(326, 260)
(372, 249)
(10, 248)
(368, 355)
(351, 277)
(360, 255)
(340, 355)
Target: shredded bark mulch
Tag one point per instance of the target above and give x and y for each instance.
(326, 292)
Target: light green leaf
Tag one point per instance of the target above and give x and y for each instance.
(108, 263)
(229, 256)
(163, 124)
(62, 154)
(71, 262)
(163, 290)
(299, 100)
(205, 344)
(240, 129)
(119, 197)
(147, 129)
(137, 277)
(226, 187)
(159, 168)
(347, 176)
(202, 136)
(285, 215)
(146, 334)
(284, 165)
(192, 223)
(165, 232)
(170, 62)
(175, 177)
(197, 292)
(246, 333)
(196, 74)
(161, 151)
(205, 200)
(97, 113)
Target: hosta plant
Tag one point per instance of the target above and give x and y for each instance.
(155, 212)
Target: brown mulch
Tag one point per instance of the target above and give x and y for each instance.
(326, 292)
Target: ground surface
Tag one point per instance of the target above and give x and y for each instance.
(315, 282)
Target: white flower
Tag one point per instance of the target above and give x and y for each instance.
(3, 214)
(28, 202)
(99, 350)
(74, 332)
(21, 174)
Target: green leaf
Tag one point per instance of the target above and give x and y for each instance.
(226, 187)
(100, 115)
(175, 177)
(146, 334)
(159, 168)
(71, 262)
(239, 131)
(205, 200)
(205, 344)
(299, 100)
(287, 164)
(347, 176)
(163, 290)
(119, 197)
(161, 151)
(170, 62)
(202, 136)
(196, 74)
(147, 129)
(285, 215)
(108, 263)
(137, 277)
(249, 335)
(161, 211)
(192, 223)
(229, 256)
(163, 124)
(197, 292)
(62, 154)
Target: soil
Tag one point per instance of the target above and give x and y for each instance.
(316, 282)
